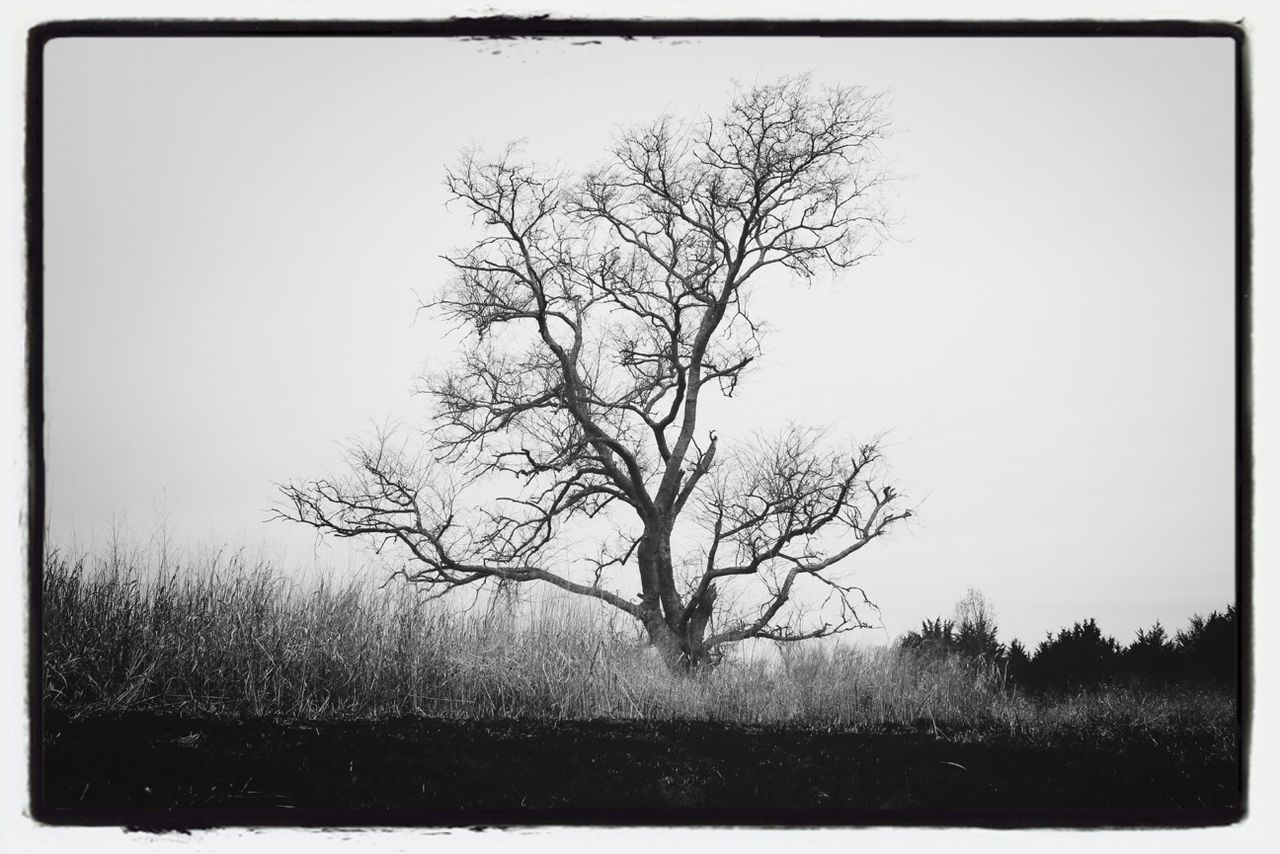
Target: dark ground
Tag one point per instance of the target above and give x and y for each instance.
(157, 771)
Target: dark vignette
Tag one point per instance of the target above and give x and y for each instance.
(506, 27)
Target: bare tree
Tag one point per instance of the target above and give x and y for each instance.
(600, 312)
(976, 618)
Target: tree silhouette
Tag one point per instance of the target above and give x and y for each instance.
(1151, 657)
(936, 636)
(972, 631)
(1082, 657)
(1018, 667)
(1079, 657)
(1208, 649)
(977, 632)
(599, 314)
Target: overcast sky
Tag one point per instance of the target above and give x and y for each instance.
(237, 233)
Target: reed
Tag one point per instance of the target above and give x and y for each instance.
(224, 635)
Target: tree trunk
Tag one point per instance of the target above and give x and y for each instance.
(678, 637)
(696, 629)
(667, 643)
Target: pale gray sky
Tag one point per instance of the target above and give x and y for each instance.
(235, 230)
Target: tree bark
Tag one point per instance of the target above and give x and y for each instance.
(676, 630)
(695, 631)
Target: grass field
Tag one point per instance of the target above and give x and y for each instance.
(131, 649)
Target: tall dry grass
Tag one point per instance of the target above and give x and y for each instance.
(224, 635)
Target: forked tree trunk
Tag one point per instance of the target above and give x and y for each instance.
(680, 638)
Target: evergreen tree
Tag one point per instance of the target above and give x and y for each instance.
(976, 618)
(1079, 657)
(1151, 658)
(1208, 650)
(1017, 663)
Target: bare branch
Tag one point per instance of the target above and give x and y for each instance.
(595, 313)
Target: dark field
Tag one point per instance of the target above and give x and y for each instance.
(139, 769)
(226, 695)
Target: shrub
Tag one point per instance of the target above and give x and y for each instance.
(1208, 649)
(1077, 658)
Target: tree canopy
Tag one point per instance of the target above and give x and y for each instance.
(599, 312)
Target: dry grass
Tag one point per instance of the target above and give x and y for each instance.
(225, 636)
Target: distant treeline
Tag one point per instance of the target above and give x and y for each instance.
(1205, 653)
